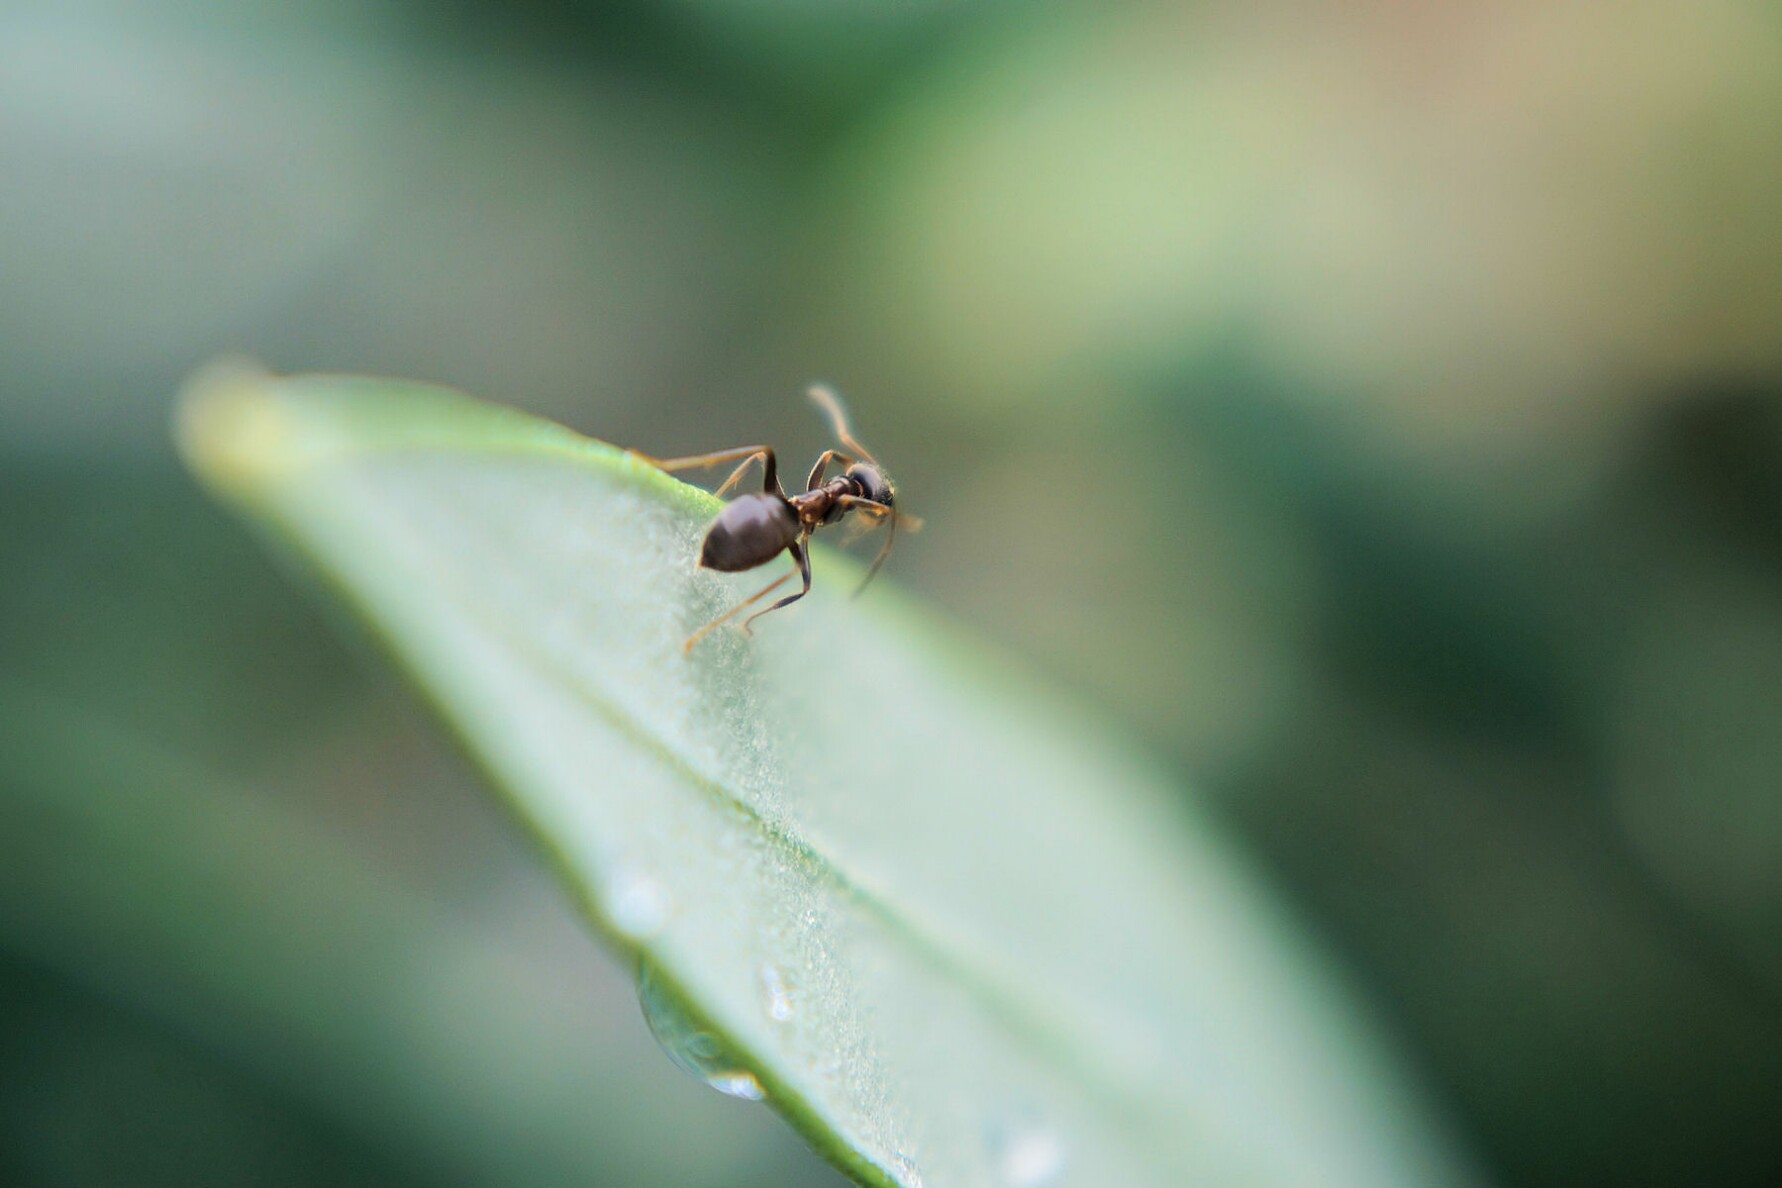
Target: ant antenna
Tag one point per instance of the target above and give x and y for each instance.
(890, 537)
(825, 398)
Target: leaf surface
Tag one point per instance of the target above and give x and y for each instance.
(955, 933)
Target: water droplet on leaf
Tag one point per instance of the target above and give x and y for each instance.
(690, 1044)
(639, 905)
(776, 993)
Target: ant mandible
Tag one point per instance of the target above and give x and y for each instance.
(754, 529)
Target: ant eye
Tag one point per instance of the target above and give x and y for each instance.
(872, 483)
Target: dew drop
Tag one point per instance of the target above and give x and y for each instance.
(1025, 1154)
(737, 1084)
(776, 993)
(691, 1045)
(639, 905)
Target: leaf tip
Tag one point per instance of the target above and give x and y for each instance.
(227, 425)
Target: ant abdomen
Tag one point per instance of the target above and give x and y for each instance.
(751, 530)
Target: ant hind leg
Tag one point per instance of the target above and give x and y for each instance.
(802, 556)
(736, 477)
(730, 614)
(770, 475)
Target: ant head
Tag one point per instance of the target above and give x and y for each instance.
(873, 483)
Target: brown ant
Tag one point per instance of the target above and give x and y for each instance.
(754, 529)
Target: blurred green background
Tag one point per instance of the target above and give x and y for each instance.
(1376, 407)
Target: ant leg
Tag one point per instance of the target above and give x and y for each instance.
(736, 476)
(824, 397)
(905, 521)
(859, 530)
(800, 555)
(822, 465)
(770, 479)
(880, 512)
(757, 596)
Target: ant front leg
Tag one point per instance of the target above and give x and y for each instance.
(770, 475)
(880, 512)
(802, 556)
(817, 471)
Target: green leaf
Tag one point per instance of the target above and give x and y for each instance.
(957, 934)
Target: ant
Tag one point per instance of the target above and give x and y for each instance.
(754, 529)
